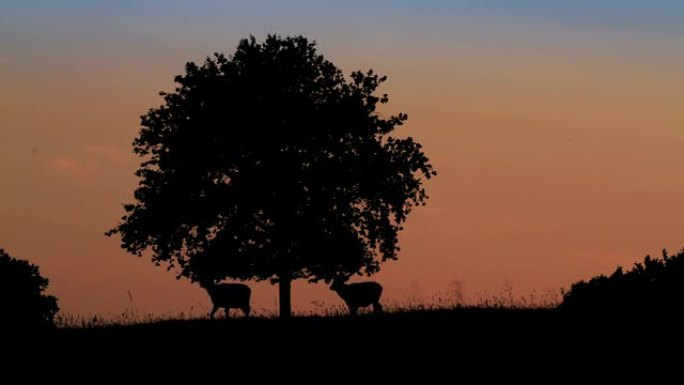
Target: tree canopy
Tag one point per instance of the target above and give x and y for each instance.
(270, 164)
(22, 300)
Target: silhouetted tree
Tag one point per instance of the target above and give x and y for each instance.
(22, 300)
(654, 284)
(269, 164)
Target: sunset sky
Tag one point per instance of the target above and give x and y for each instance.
(557, 129)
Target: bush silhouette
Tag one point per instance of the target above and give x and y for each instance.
(654, 284)
(22, 300)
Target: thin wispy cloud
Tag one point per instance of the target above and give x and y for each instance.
(72, 168)
(90, 161)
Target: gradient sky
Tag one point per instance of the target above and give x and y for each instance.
(557, 129)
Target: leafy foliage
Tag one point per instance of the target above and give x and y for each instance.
(269, 163)
(22, 300)
(652, 284)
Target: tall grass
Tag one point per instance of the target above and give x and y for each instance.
(127, 317)
(452, 299)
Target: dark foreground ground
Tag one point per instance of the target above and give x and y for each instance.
(428, 342)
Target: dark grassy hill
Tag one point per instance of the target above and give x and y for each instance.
(463, 328)
(490, 343)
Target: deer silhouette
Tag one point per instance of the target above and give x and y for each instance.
(357, 295)
(228, 296)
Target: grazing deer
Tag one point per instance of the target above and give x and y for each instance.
(228, 296)
(357, 295)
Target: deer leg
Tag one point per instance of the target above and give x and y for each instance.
(213, 311)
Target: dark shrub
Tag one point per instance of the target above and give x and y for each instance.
(654, 284)
(22, 300)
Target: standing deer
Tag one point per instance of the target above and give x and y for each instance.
(228, 296)
(357, 295)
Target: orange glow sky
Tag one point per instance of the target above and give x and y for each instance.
(557, 132)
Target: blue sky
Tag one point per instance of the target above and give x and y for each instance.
(655, 15)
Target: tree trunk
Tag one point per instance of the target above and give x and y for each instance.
(285, 289)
